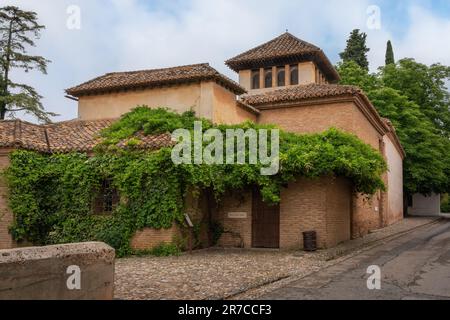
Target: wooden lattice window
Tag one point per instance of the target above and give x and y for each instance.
(107, 198)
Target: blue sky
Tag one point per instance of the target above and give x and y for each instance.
(120, 35)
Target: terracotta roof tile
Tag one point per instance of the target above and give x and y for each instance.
(62, 137)
(284, 49)
(298, 93)
(154, 78)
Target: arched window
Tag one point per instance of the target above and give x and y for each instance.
(294, 75)
(268, 78)
(255, 79)
(281, 77)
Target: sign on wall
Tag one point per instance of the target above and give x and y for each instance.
(237, 215)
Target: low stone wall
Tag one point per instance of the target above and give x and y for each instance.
(71, 271)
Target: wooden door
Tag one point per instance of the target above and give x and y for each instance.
(265, 223)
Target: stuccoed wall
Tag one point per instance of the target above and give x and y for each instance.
(41, 273)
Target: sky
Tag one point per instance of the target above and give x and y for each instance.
(87, 38)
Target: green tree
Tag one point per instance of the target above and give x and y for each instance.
(426, 86)
(356, 49)
(352, 74)
(427, 162)
(389, 54)
(18, 30)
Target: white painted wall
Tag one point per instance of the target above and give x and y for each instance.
(395, 181)
(425, 206)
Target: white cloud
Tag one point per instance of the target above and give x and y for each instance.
(131, 34)
(427, 39)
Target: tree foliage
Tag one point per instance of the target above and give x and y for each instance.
(425, 86)
(18, 30)
(397, 94)
(390, 59)
(52, 195)
(356, 49)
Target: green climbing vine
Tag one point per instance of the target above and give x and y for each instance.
(52, 195)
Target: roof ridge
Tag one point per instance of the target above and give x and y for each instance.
(301, 40)
(159, 69)
(80, 121)
(271, 41)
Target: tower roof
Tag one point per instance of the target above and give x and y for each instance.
(284, 49)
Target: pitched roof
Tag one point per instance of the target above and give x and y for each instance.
(284, 49)
(118, 81)
(300, 92)
(62, 137)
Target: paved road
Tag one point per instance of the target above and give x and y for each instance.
(414, 266)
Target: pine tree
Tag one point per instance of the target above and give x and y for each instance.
(389, 54)
(18, 30)
(356, 49)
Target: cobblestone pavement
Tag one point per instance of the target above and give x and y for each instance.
(206, 274)
(231, 273)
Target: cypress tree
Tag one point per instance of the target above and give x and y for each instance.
(356, 49)
(389, 54)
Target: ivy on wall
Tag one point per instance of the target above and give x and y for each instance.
(52, 195)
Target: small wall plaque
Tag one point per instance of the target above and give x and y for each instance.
(237, 215)
(188, 220)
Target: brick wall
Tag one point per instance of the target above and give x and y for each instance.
(346, 116)
(311, 118)
(303, 208)
(238, 231)
(6, 216)
(149, 238)
(339, 206)
(322, 205)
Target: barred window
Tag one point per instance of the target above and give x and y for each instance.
(107, 198)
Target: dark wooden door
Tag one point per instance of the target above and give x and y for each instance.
(265, 223)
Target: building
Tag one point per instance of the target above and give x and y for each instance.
(420, 205)
(285, 81)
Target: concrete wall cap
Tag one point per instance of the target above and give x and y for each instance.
(102, 251)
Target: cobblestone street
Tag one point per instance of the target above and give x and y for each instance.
(232, 273)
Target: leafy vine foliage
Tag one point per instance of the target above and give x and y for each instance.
(52, 195)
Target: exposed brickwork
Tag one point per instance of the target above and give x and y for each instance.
(6, 216)
(322, 205)
(149, 238)
(347, 116)
(339, 207)
(237, 230)
(303, 208)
